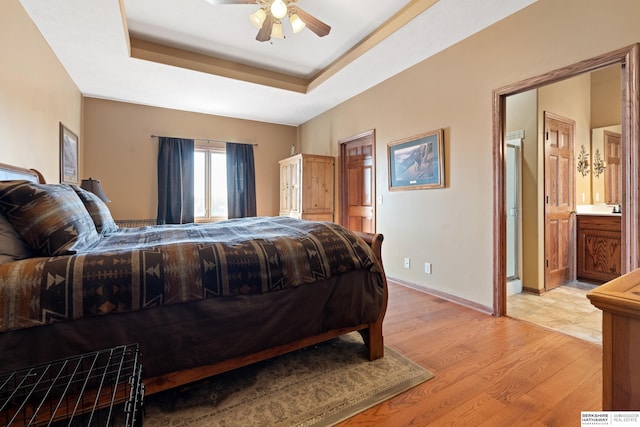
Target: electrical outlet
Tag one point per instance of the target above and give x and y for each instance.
(406, 263)
(427, 268)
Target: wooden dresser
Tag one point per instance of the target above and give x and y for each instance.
(307, 187)
(619, 301)
(598, 247)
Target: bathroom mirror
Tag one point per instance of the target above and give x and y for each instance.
(606, 179)
(605, 120)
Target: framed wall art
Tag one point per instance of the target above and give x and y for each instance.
(68, 156)
(417, 162)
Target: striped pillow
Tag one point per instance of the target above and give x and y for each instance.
(50, 217)
(99, 212)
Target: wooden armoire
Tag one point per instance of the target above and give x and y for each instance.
(307, 187)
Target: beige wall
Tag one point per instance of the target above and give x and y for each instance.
(606, 102)
(452, 227)
(36, 94)
(120, 152)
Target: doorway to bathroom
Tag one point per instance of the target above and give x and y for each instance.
(530, 263)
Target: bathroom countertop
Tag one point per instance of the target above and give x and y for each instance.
(599, 209)
(599, 213)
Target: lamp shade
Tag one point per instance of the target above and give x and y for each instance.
(257, 18)
(94, 186)
(296, 23)
(276, 30)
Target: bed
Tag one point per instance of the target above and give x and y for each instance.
(199, 299)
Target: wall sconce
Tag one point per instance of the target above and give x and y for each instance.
(583, 161)
(94, 186)
(598, 164)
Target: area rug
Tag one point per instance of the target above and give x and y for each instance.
(318, 385)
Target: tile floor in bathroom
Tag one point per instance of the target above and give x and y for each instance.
(565, 309)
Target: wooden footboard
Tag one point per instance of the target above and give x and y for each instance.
(371, 333)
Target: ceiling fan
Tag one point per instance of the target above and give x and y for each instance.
(268, 18)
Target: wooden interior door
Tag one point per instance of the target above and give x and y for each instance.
(358, 182)
(612, 171)
(559, 211)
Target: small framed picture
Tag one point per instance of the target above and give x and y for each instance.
(68, 156)
(417, 162)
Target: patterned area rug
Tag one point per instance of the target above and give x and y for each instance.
(318, 385)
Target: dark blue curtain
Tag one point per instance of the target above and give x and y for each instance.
(175, 180)
(241, 181)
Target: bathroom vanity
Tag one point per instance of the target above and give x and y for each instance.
(598, 246)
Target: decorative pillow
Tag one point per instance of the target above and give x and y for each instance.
(49, 217)
(100, 213)
(12, 247)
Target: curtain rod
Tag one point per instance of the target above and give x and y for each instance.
(207, 140)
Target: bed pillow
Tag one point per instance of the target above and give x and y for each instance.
(49, 217)
(100, 213)
(12, 247)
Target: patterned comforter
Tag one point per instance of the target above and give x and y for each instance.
(137, 268)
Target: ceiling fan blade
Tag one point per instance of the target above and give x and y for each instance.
(264, 34)
(217, 2)
(313, 23)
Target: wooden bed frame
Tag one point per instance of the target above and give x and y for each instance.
(371, 332)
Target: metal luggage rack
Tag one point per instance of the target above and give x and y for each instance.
(77, 391)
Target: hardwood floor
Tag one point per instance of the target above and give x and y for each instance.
(488, 371)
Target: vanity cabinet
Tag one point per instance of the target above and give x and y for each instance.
(598, 247)
(307, 187)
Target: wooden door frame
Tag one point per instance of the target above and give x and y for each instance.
(628, 59)
(343, 174)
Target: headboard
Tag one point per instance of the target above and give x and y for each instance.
(9, 172)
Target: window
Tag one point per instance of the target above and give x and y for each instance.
(210, 184)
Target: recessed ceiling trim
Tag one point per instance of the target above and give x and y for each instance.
(397, 21)
(125, 25)
(168, 55)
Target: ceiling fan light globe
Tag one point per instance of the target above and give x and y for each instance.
(296, 23)
(276, 31)
(278, 9)
(257, 18)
